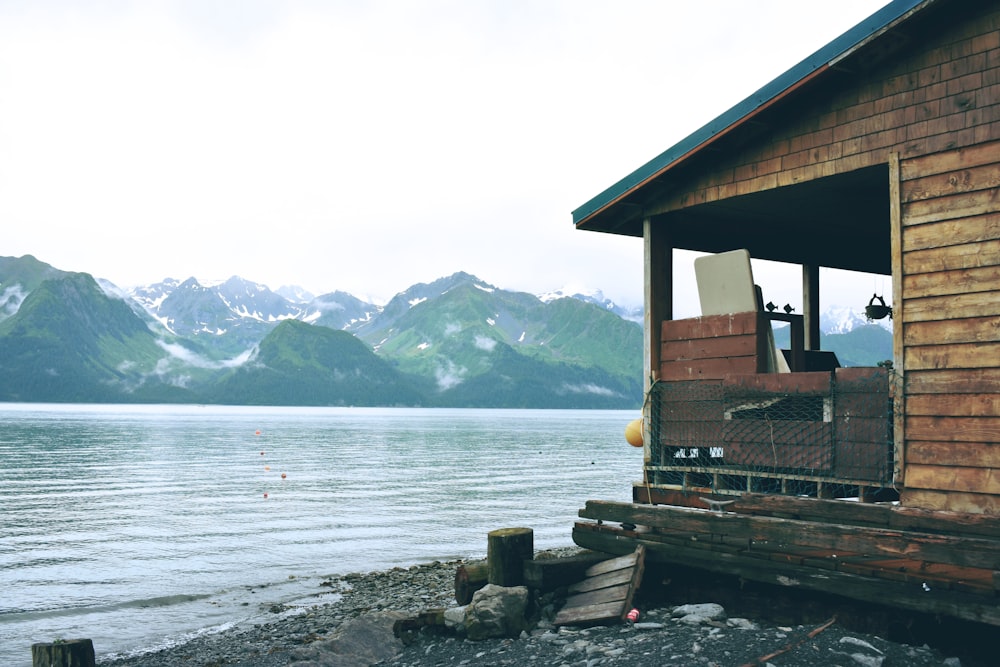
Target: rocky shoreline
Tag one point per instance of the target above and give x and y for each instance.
(356, 629)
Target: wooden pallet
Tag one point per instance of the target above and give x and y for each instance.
(605, 595)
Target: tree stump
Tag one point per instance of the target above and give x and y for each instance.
(63, 653)
(469, 578)
(507, 549)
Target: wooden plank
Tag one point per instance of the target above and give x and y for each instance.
(943, 184)
(548, 574)
(944, 332)
(611, 565)
(587, 615)
(600, 596)
(709, 348)
(711, 326)
(950, 478)
(898, 262)
(872, 589)
(817, 510)
(954, 405)
(948, 381)
(952, 207)
(961, 256)
(860, 514)
(958, 281)
(956, 355)
(955, 307)
(970, 551)
(953, 501)
(948, 161)
(606, 580)
(964, 454)
(708, 369)
(593, 602)
(953, 429)
(811, 384)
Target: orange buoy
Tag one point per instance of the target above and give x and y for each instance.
(633, 433)
(267, 467)
(257, 432)
(283, 475)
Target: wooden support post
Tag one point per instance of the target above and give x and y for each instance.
(507, 549)
(810, 306)
(469, 578)
(63, 653)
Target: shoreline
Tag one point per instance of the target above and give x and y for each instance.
(360, 620)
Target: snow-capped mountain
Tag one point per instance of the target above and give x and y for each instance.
(843, 319)
(633, 313)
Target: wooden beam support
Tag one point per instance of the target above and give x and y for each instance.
(810, 305)
(658, 269)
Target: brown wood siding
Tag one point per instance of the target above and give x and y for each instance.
(939, 94)
(950, 319)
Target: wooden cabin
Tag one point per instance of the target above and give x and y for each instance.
(879, 153)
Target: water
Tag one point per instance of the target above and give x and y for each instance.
(139, 526)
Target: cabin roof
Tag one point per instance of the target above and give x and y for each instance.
(618, 209)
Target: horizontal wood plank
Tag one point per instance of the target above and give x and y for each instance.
(953, 207)
(709, 348)
(606, 580)
(951, 478)
(942, 332)
(948, 381)
(970, 179)
(958, 281)
(955, 307)
(960, 502)
(970, 552)
(953, 429)
(872, 589)
(956, 355)
(600, 596)
(812, 383)
(951, 258)
(707, 369)
(963, 454)
(711, 326)
(954, 405)
(949, 161)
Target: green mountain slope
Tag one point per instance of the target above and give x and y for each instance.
(19, 276)
(302, 364)
(69, 341)
(471, 331)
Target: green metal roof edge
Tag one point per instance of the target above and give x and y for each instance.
(827, 54)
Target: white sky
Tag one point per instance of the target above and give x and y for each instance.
(365, 146)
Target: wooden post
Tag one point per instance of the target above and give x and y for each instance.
(63, 653)
(507, 549)
(469, 578)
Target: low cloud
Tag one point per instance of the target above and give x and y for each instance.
(589, 388)
(485, 343)
(448, 375)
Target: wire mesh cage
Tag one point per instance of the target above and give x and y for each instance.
(817, 433)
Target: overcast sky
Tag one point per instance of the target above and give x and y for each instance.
(365, 146)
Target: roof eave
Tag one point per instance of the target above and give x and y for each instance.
(778, 89)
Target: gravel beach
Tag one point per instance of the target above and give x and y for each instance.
(356, 629)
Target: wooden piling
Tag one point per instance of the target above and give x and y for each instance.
(507, 549)
(63, 653)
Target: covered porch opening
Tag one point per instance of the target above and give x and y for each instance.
(720, 421)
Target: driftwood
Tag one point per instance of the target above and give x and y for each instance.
(469, 578)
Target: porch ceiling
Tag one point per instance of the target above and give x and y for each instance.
(839, 222)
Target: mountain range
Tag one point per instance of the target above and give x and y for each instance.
(454, 342)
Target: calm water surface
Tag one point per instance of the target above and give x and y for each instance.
(139, 526)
